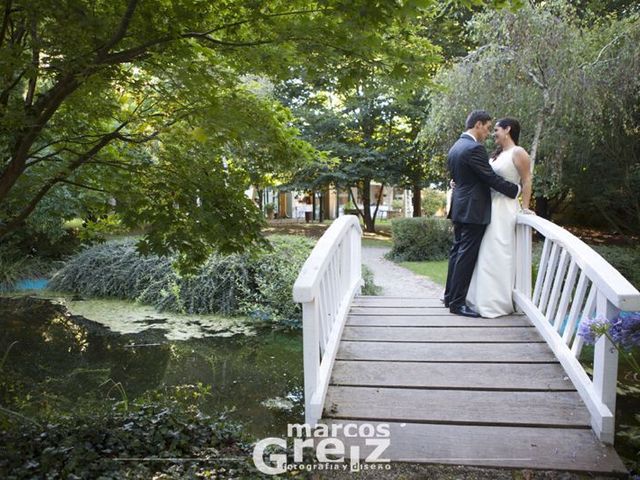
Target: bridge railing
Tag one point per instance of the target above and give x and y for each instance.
(572, 283)
(325, 287)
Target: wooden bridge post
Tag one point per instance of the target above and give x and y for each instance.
(605, 370)
(355, 251)
(523, 260)
(311, 359)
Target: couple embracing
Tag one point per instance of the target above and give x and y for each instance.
(484, 206)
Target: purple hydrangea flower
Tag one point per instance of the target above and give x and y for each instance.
(625, 330)
(592, 328)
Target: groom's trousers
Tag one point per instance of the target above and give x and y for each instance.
(462, 261)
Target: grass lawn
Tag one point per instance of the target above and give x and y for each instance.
(376, 242)
(436, 270)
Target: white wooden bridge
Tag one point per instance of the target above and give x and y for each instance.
(504, 392)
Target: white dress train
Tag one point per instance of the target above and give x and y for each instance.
(490, 290)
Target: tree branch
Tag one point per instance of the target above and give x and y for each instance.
(5, 20)
(4, 96)
(535, 80)
(140, 139)
(610, 44)
(43, 110)
(17, 34)
(87, 187)
(132, 53)
(35, 59)
(262, 16)
(60, 177)
(121, 30)
(215, 41)
(121, 166)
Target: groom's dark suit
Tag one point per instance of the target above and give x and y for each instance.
(470, 211)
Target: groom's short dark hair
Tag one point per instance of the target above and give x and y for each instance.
(475, 117)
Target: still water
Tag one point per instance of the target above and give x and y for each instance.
(77, 349)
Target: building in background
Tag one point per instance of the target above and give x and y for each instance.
(330, 203)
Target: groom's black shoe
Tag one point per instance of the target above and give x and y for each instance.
(444, 301)
(464, 311)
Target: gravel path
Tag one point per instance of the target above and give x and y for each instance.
(397, 281)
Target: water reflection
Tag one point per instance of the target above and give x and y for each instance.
(67, 358)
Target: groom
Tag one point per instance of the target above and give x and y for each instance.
(470, 211)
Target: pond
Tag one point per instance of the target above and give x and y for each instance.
(72, 352)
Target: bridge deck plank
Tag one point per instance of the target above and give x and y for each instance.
(455, 390)
(442, 334)
(445, 352)
(436, 321)
(566, 449)
(399, 310)
(494, 376)
(469, 407)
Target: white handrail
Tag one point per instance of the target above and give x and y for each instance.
(573, 283)
(326, 285)
(618, 289)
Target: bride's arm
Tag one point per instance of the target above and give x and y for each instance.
(523, 163)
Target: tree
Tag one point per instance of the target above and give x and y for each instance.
(365, 138)
(368, 128)
(152, 103)
(572, 85)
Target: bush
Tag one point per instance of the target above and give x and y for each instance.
(624, 259)
(420, 239)
(259, 285)
(268, 294)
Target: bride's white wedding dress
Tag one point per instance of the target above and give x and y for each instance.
(490, 291)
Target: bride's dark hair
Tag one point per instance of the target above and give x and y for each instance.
(514, 132)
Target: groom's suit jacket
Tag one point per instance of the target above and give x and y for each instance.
(469, 167)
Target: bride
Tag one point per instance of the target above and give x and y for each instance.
(490, 291)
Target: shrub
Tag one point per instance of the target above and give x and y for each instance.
(272, 275)
(257, 284)
(419, 239)
(624, 259)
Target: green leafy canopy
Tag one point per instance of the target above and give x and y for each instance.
(163, 112)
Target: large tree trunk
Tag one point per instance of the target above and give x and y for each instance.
(260, 193)
(547, 110)
(536, 138)
(416, 200)
(369, 223)
(313, 207)
(378, 200)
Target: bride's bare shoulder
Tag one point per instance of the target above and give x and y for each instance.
(519, 151)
